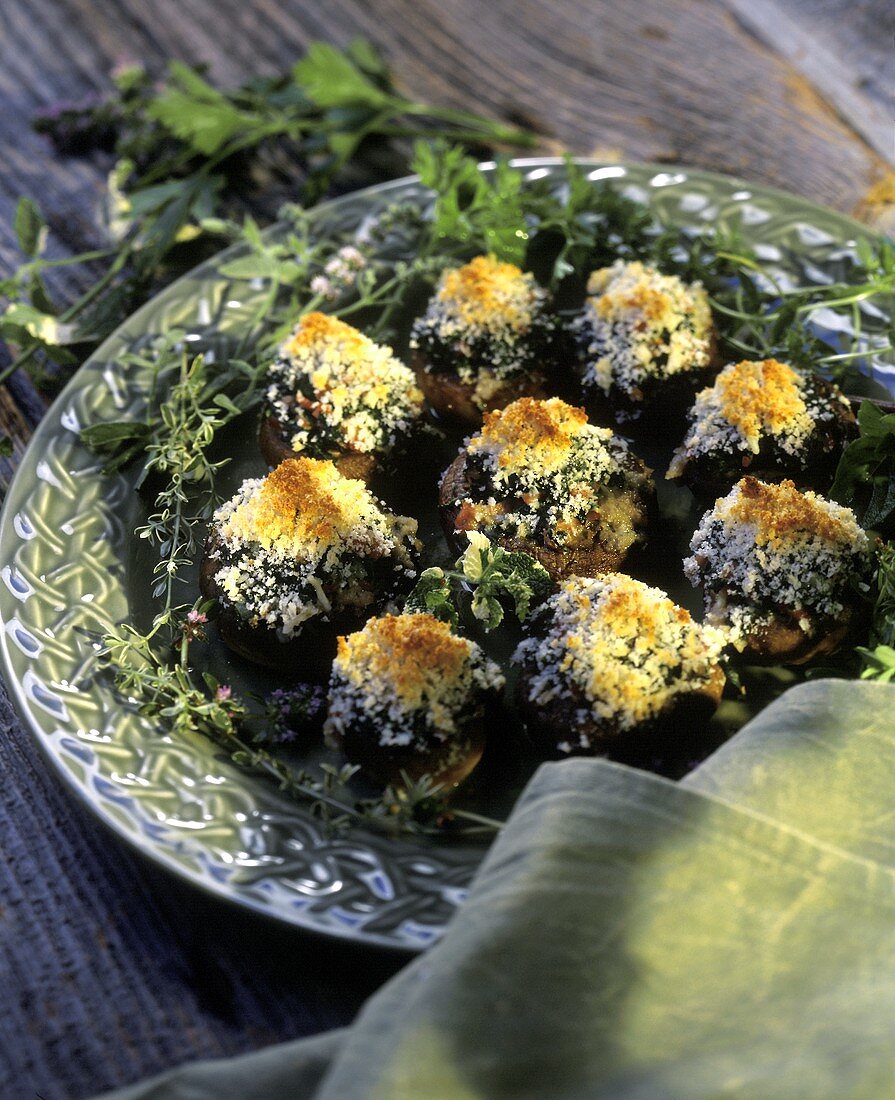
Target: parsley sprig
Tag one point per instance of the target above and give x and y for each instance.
(188, 157)
(865, 477)
(490, 576)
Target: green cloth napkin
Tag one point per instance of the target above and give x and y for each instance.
(629, 937)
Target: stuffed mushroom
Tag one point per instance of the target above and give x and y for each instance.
(486, 338)
(408, 698)
(539, 478)
(613, 666)
(786, 573)
(647, 343)
(300, 556)
(766, 419)
(332, 393)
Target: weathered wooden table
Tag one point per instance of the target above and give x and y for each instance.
(111, 970)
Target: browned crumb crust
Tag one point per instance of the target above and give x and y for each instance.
(711, 472)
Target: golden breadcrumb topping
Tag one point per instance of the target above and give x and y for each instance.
(416, 655)
(764, 396)
(488, 295)
(782, 514)
(402, 667)
(622, 644)
(530, 434)
(318, 330)
(638, 323)
(333, 388)
(304, 504)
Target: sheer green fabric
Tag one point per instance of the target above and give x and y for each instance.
(629, 937)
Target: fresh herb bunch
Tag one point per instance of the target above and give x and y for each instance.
(188, 158)
(490, 575)
(865, 482)
(879, 659)
(188, 404)
(765, 320)
(865, 478)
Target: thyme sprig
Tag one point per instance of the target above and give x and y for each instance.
(173, 445)
(156, 675)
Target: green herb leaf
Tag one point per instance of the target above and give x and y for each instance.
(197, 113)
(332, 79)
(432, 593)
(107, 438)
(31, 230)
(42, 326)
(865, 477)
(880, 663)
(522, 578)
(484, 213)
(497, 575)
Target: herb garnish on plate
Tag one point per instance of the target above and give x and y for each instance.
(186, 154)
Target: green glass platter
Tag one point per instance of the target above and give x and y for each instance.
(72, 569)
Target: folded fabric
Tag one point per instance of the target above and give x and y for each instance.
(630, 937)
(821, 760)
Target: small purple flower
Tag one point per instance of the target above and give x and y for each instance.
(294, 712)
(321, 286)
(223, 693)
(193, 625)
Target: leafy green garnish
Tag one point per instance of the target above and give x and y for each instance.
(879, 660)
(496, 575)
(865, 477)
(121, 440)
(485, 212)
(187, 155)
(432, 593)
(30, 228)
(491, 574)
(203, 118)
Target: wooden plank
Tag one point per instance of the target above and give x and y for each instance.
(659, 80)
(843, 48)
